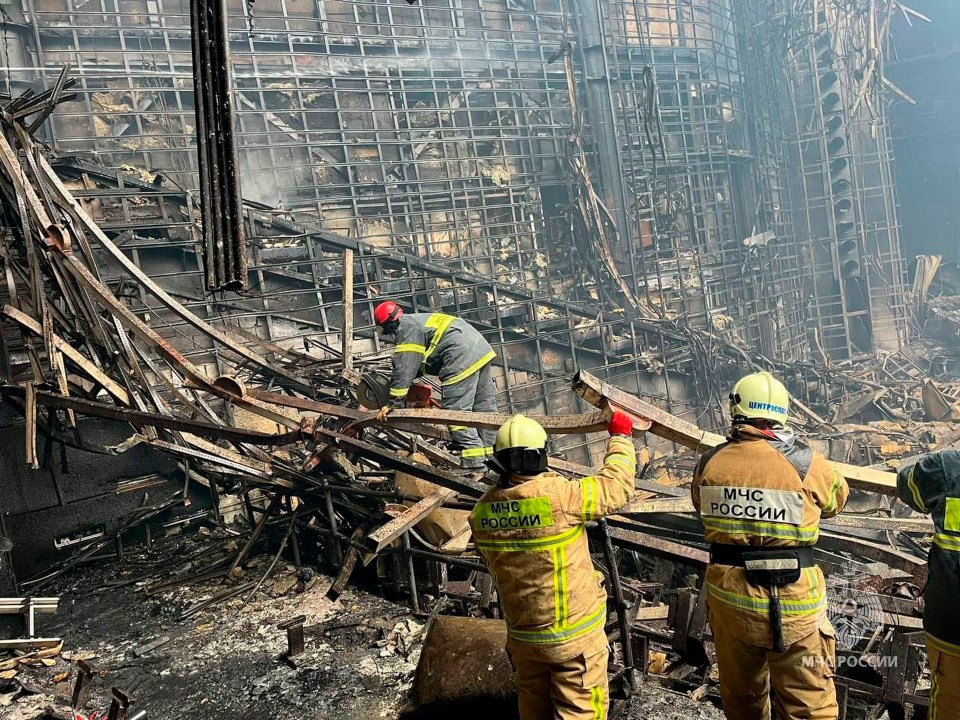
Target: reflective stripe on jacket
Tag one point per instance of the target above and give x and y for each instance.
(532, 538)
(436, 344)
(932, 486)
(762, 491)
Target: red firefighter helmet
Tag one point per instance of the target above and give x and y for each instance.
(386, 312)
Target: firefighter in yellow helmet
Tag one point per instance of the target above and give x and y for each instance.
(529, 529)
(760, 497)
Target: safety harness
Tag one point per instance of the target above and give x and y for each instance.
(770, 568)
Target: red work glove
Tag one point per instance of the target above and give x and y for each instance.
(620, 424)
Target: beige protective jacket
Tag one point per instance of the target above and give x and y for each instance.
(532, 538)
(765, 491)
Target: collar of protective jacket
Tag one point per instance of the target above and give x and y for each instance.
(515, 479)
(742, 432)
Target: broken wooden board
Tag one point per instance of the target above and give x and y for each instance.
(346, 570)
(91, 370)
(653, 612)
(386, 534)
(29, 643)
(600, 394)
(443, 524)
(459, 482)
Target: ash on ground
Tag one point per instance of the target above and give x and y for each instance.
(225, 662)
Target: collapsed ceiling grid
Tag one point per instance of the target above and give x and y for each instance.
(442, 132)
(665, 194)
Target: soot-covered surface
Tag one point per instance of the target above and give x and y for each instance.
(222, 664)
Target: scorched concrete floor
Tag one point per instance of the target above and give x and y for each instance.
(222, 664)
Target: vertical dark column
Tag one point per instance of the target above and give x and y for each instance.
(221, 204)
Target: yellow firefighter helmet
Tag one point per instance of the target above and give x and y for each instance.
(520, 432)
(520, 447)
(760, 396)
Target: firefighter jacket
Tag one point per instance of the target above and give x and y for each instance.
(932, 485)
(532, 536)
(762, 489)
(435, 344)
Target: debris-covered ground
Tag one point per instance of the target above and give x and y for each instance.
(360, 652)
(359, 658)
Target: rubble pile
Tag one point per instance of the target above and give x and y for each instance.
(323, 485)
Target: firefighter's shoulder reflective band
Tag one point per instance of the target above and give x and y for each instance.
(744, 503)
(439, 323)
(589, 489)
(834, 490)
(914, 490)
(621, 459)
(513, 514)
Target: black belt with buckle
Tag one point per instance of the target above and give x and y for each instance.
(771, 568)
(721, 554)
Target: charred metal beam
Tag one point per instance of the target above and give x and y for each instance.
(438, 476)
(658, 547)
(221, 204)
(141, 419)
(552, 424)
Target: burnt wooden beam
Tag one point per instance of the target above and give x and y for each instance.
(386, 534)
(663, 424)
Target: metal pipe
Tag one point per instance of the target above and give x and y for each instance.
(632, 677)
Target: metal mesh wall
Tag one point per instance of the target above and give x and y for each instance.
(429, 128)
(705, 160)
(441, 131)
(845, 197)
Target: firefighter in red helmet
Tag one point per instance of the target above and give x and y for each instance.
(452, 349)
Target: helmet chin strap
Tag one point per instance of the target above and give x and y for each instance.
(495, 465)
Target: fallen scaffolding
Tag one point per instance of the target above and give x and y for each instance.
(316, 470)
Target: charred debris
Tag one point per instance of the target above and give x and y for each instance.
(628, 219)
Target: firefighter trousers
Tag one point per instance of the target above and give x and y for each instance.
(944, 684)
(575, 689)
(478, 394)
(802, 677)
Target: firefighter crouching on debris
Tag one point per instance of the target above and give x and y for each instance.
(446, 346)
(932, 485)
(529, 529)
(760, 497)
